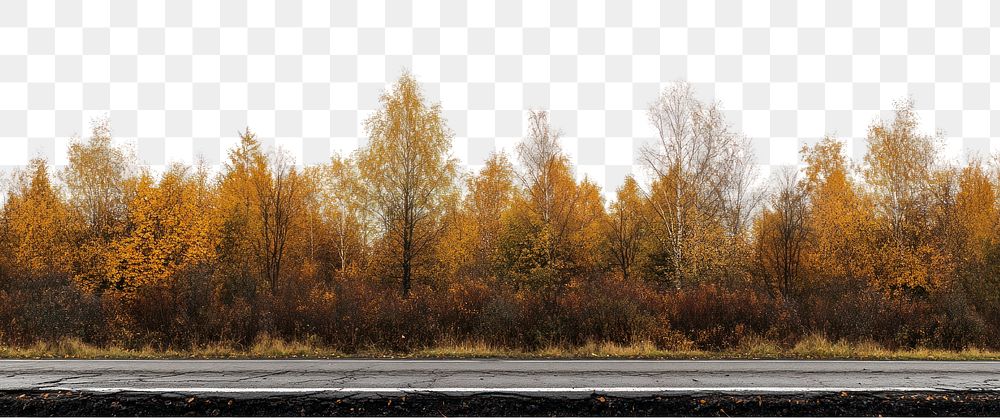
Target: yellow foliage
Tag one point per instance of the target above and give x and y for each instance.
(263, 206)
(975, 213)
(237, 206)
(99, 184)
(692, 244)
(900, 172)
(625, 229)
(167, 232)
(472, 246)
(781, 233)
(701, 196)
(840, 224)
(408, 177)
(96, 181)
(343, 228)
(555, 224)
(37, 224)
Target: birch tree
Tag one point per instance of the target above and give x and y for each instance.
(702, 181)
(408, 174)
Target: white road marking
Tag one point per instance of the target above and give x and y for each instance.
(625, 389)
(491, 360)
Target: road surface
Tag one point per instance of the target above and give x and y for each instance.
(566, 378)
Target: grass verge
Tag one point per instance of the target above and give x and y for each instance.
(811, 347)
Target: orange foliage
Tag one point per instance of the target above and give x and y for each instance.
(168, 231)
(38, 229)
(903, 249)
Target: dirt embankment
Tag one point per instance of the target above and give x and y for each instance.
(902, 404)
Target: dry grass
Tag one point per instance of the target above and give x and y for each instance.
(265, 347)
(467, 349)
(810, 347)
(819, 347)
(640, 349)
(757, 348)
(268, 347)
(73, 348)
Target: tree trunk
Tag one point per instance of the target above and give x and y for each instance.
(406, 277)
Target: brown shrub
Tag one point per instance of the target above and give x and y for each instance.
(48, 308)
(716, 318)
(612, 310)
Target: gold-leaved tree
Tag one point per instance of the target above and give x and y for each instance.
(36, 226)
(408, 178)
(98, 184)
(701, 197)
(555, 222)
(263, 200)
(168, 230)
(900, 171)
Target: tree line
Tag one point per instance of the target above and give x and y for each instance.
(394, 247)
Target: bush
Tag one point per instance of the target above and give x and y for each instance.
(715, 318)
(613, 310)
(48, 308)
(370, 315)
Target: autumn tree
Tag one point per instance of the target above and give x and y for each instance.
(899, 170)
(542, 161)
(167, 231)
(977, 246)
(625, 229)
(472, 243)
(97, 182)
(941, 228)
(245, 166)
(975, 213)
(281, 201)
(782, 234)
(263, 199)
(36, 231)
(840, 224)
(584, 230)
(490, 196)
(555, 222)
(701, 191)
(341, 209)
(408, 175)
(899, 165)
(739, 196)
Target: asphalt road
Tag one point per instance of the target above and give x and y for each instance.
(563, 377)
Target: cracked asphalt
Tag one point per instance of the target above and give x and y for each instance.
(497, 388)
(567, 378)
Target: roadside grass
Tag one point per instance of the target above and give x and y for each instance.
(814, 347)
(263, 348)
